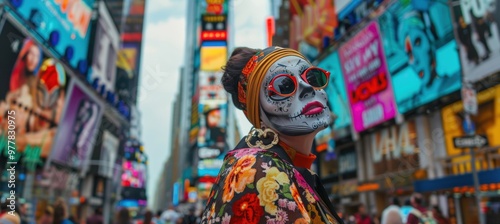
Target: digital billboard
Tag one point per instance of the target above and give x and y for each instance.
(310, 23)
(213, 57)
(477, 27)
(34, 86)
(63, 24)
(421, 51)
(212, 131)
(337, 95)
(134, 174)
(211, 89)
(367, 80)
(75, 139)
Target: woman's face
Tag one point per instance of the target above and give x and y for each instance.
(302, 113)
(32, 58)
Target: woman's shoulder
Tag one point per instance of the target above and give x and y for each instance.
(260, 156)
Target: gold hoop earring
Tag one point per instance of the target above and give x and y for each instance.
(261, 134)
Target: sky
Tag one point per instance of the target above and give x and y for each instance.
(162, 58)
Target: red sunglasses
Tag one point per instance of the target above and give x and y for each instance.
(285, 85)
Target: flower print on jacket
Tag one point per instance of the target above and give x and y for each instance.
(240, 175)
(257, 186)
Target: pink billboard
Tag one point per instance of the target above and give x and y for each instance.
(367, 79)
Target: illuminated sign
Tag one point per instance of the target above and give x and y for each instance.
(213, 35)
(215, 6)
(367, 79)
(210, 88)
(207, 153)
(213, 22)
(213, 58)
(63, 24)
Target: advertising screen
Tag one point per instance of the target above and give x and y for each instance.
(310, 23)
(75, 139)
(477, 27)
(134, 174)
(213, 57)
(337, 95)
(212, 125)
(109, 148)
(63, 24)
(366, 78)
(211, 89)
(210, 167)
(34, 87)
(421, 51)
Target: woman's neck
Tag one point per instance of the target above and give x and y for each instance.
(302, 144)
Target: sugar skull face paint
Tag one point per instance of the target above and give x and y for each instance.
(302, 107)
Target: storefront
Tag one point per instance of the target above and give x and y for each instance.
(457, 183)
(392, 162)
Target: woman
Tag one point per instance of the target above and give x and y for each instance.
(266, 178)
(61, 212)
(123, 217)
(27, 64)
(48, 216)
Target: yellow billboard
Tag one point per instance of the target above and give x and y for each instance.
(213, 58)
(487, 122)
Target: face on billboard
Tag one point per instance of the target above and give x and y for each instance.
(69, 34)
(212, 131)
(34, 87)
(421, 52)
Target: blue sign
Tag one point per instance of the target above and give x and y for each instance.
(64, 25)
(421, 52)
(337, 95)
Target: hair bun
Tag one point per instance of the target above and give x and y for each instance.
(232, 71)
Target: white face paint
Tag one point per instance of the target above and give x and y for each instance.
(299, 113)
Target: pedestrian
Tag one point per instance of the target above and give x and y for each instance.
(61, 212)
(170, 215)
(148, 218)
(157, 219)
(362, 216)
(419, 214)
(267, 177)
(190, 218)
(97, 217)
(405, 210)
(392, 214)
(438, 215)
(123, 217)
(47, 216)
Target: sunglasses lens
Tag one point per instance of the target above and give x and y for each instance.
(316, 78)
(284, 85)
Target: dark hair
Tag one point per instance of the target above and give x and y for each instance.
(407, 202)
(148, 217)
(232, 71)
(98, 211)
(60, 211)
(158, 213)
(438, 210)
(123, 216)
(395, 201)
(417, 198)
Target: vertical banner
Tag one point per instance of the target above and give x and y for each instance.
(421, 52)
(75, 138)
(212, 125)
(34, 86)
(477, 30)
(367, 79)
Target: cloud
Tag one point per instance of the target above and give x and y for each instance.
(162, 57)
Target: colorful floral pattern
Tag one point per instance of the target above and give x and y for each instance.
(257, 186)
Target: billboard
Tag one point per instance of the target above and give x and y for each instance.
(75, 139)
(134, 174)
(210, 167)
(310, 23)
(337, 95)
(211, 89)
(421, 51)
(215, 7)
(63, 24)
(212, 125)
(366, 78)
(213, 57)
(34, 86)
(107, 40)
(477, 30)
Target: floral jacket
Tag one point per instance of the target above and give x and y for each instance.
(258, 186)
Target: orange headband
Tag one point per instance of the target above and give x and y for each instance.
(253, 75)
